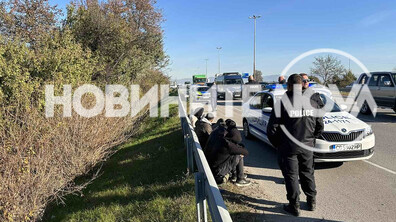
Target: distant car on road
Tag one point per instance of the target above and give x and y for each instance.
(345, 138)
(382, 86)
(201, 93)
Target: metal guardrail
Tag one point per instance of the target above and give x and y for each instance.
(206, 190)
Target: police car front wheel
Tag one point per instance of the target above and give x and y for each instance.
(246, 130)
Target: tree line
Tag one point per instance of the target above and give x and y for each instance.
(325, 70)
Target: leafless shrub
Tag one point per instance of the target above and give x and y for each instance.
(40, 157)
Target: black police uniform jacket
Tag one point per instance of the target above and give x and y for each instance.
(304, 129)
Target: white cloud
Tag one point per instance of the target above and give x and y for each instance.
(377, 17)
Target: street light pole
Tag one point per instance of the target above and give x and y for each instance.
(254, 47)
(219, 48)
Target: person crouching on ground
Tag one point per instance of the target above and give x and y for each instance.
(219, 129)
(203, 128)
(237, 173)
(223, 156)
(196, 115)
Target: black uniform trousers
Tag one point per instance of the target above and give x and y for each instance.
(294, 166)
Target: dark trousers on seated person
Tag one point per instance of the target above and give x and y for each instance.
(234, 164)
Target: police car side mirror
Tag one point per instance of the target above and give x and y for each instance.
(343, 107)
(267, 110)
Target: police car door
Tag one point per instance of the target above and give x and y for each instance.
(267, 105)
(254, 115)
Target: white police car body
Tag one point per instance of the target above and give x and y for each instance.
(345, 137)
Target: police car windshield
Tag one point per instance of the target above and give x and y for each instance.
(203, 89)
(333, 108)
(233, 81)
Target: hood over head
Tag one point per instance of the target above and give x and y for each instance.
(234, 135)
(198, 112)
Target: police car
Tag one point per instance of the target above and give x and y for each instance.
(199, 94)
(345, 138)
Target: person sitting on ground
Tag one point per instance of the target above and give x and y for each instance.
(196, 115)
(203, 128)
(218, 123)
(223, 156)
(233, 135)
(218, 127)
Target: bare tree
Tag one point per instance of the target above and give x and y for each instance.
(27, 19)
(327, 67)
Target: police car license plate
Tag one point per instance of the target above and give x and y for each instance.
(346, 147)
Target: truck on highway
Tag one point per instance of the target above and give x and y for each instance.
(199, 80)
(231, 83)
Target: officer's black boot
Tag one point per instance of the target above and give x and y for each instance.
(293, 208)
(311, 202)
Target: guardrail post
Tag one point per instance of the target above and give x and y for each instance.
(200, 197)
(187, 145)
(190, 152)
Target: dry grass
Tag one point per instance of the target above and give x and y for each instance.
(40, 157)
(144, 181)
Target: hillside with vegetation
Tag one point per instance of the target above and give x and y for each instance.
(92, 42)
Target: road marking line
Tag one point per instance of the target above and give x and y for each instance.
(376, 165)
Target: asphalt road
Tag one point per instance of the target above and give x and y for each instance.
(350, 191)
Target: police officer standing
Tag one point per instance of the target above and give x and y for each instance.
(251, 80)
(294, 159)
(213, 97)
(250, 88)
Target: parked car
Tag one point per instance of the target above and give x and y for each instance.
(345, 137)
(382, 86)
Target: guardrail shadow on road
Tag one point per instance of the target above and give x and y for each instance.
(263, 205)
(277, 180)
(255, 203)
(275, 217)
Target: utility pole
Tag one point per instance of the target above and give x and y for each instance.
(349, 65)
(206, 67)
(254, 47)
(218, 49)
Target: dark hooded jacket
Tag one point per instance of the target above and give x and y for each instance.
(220, 122)
(203, 128)
(197, 115)
(233, 133)
(222, 144)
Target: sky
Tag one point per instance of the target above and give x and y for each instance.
(194, 29)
